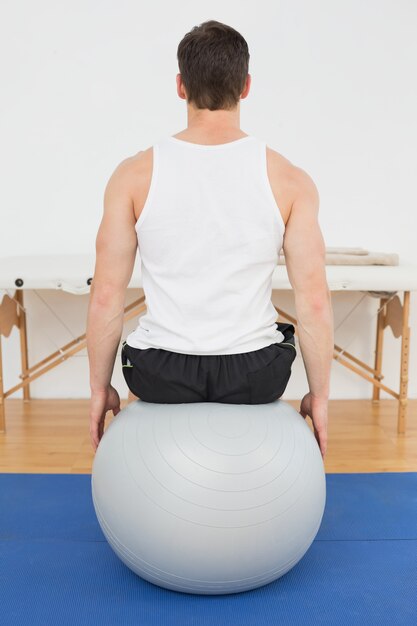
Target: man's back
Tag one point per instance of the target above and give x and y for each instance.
(284, 177)
(209, 234)
(295, 195)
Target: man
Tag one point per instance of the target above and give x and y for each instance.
(209, 209)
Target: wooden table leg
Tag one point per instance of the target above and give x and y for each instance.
(379, 348)
(23, 343)
(2, 407)
(405, 348)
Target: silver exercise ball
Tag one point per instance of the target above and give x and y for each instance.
(206, 497)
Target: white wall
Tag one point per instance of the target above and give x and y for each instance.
(86, 84)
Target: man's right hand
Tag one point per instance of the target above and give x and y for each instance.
(316, 409)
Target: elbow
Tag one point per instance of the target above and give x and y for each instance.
(318, 303)
(322, 301)
(104, 297)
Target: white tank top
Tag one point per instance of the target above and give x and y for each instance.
(209, 237)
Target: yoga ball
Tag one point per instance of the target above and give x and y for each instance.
(206, 497)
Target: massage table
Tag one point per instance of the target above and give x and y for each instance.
(390, 284)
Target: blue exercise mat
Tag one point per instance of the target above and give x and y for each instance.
(56, 567)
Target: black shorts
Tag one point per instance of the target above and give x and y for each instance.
(257, 377)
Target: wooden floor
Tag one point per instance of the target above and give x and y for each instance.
(52, 436)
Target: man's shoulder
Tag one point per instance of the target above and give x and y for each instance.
(297, 180)
(135, 170)
(139, 161)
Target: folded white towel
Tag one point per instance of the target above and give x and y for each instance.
(372, 258)
(346, 250)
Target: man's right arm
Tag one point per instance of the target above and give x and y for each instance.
(304, 252)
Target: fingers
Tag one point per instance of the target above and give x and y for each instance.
(96, 433)
(94, 439)
(320, 433)
(96, 430)
(321, 438)
(303, 411)
(97, 427)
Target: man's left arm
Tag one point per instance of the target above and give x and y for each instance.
(116, 246)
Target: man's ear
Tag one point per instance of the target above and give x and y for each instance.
(180, 88)
(247, 87)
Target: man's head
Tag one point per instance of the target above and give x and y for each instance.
(213, 60)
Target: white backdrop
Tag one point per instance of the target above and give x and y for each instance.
(86, 84)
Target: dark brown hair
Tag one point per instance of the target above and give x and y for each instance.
(213, 60)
